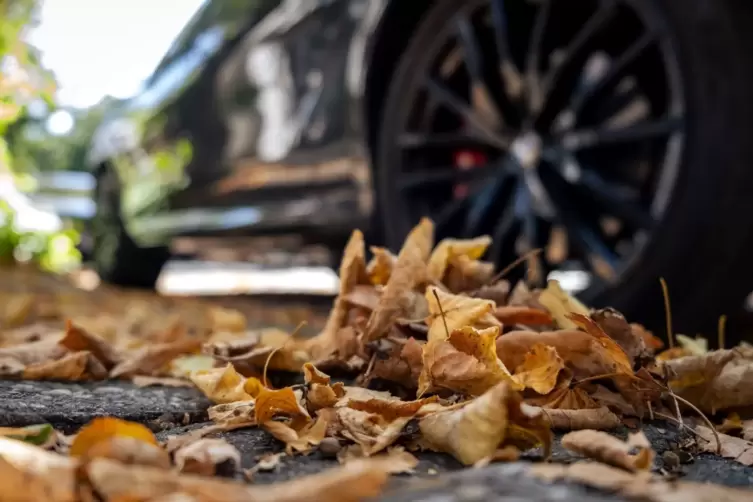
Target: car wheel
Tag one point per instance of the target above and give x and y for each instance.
(605, 132)
(116, 257)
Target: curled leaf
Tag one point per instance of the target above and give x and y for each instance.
(448, 312)
(540, 369)
(205, 455)
(222, 385)
(105, 428)
(610, 450)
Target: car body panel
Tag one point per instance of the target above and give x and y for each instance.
(253, 122)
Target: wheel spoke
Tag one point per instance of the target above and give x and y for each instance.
(506, 225)
(429, 178)
(613, 198)
(456, 104)
(480, 95)
(484, 203)
(558, 83)
(511, 79)
(616, 71)
(593, 138)
(533, 61)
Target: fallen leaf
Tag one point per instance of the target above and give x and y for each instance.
(221, 385)
(466, 274)
(39, 435)
(447, 249)
(237, 412)
(608, 449)
(738, 449)
(403, 364)
(71, 367)
(267, 462)
(78, 339)
(381, 265)
(583, 353)
(449, 312)
(103, 428)
(498, 292)
(353, 482)
(572, 420)
(29, 473)
(561, 305)
(300, 441)
(638, 486)
(223, 319)
(510, 315)
(152, 358)
(697, 346)
(716, 381)
(476, 430)
(617, 328)
(17, 310)
(408, 272)
(184, 366)
(128, 450)
(465, 362)
(278, 402)
(540, 369)
(41, 351)
(205, 455)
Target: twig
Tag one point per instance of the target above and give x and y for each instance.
(681, 424)
(269, 357)
(511, 266)
(721, 332)
(441, 312)
(667, 312)
(705, 419)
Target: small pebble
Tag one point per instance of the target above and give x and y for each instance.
(330, 447)
(671, 460)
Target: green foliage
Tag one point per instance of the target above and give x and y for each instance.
(52, 251)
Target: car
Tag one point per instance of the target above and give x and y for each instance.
(615, 135)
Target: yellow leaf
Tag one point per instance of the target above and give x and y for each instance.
(222, 385)
(104, 428)
(409, 271)
(540, 369)
(298, 441)
(473, 432)
(380, 267)
(459, 311)
(72, 367)
(448, 249)
(561, 305)
(278, 402)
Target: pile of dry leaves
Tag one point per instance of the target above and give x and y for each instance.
(439, 353)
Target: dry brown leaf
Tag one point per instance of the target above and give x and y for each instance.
(498, 292)
(540, 369)
(129, 450)
(476, 430)
(17, 309)
(608, 449)
(273, 347)
(229, 320)
(719, 380)
(352, 270)
(584, 354)
(270, 403)
(205, 455)
(459, 311)
(106, 428)
(510, 315)
(35, 352)
(465, 362)
(572, 420)
(408, 272)
(561, 305)
(737, 449)
(71, 367)
(467, 274)
(381, 265)
(638, 486)
(448, 249)
(300, 441)
(78, 339)
(353, 482)
(403, 364)
(616, 327)
(152, 358)
(237, 412)
(32, 474)
(222, 385)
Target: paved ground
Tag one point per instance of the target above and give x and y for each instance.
(170, 411)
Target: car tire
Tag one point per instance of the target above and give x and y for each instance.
(116, 257)
(704, 239)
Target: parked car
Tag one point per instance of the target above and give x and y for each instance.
(615, 134)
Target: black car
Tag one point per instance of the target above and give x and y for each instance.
(617, 135)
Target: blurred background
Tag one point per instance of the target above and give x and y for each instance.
(64, 65)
